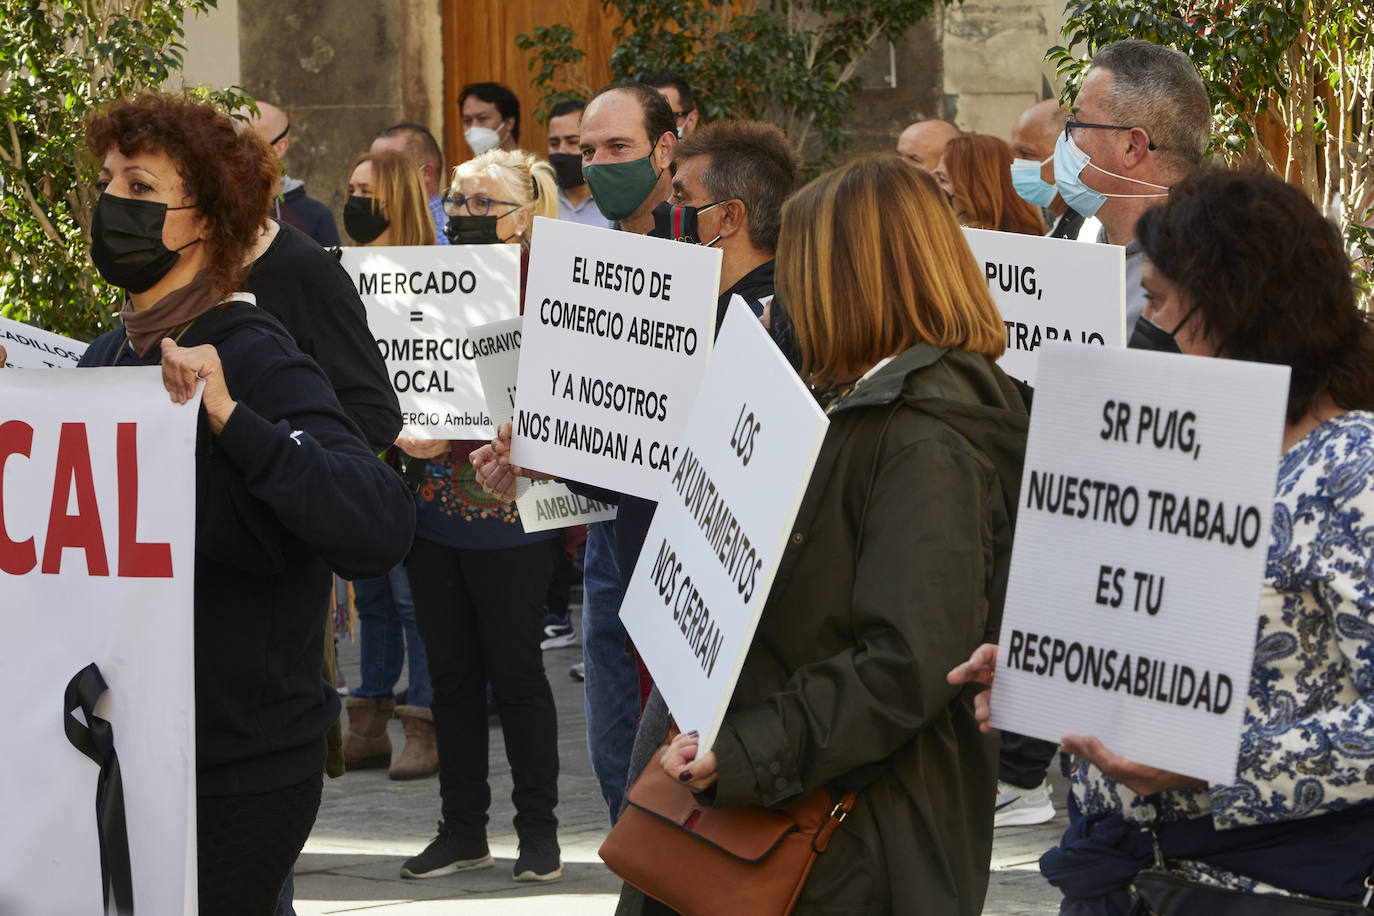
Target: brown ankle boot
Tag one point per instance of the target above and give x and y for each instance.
(420, 757)
(366, 745)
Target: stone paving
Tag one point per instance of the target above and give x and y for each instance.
(368, 824)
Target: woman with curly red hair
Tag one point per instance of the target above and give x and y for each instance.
(286, 489)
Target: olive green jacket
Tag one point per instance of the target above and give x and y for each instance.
(895, 571)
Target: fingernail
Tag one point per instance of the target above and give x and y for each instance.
(692, 734)
(686, 776)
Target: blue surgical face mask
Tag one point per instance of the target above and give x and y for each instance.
(1025, 178)
(1069, 163)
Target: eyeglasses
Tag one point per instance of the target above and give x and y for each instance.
(682, 115)
(478, 205)
(1070, 124)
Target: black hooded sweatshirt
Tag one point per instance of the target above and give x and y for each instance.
(286, 492)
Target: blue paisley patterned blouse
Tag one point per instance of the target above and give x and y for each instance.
(1308, 744)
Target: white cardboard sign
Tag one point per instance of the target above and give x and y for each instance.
(33, 348)
(722, 522)
(1051, 290)
(97, 557)
(543, 504)
(618, 331)
(420, 301)
(1141, 538)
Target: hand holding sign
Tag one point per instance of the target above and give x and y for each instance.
(184, 367)
(683, 762)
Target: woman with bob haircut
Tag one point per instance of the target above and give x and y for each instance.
(386, 201)
(897, 564)
(975, 171)
(286, 489)
(1243, 266)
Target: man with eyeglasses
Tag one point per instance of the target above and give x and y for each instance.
(678, 95)
(1140, 124)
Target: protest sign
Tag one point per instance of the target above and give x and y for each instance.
(617, 333)
(1051, 290)
(1141, 539)
(97, 556)
(420, 300)
(33, 348)
(722, 522)
(543, 504)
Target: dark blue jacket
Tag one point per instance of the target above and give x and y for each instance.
(286, 492)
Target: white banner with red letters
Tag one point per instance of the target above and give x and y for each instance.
(97, 559)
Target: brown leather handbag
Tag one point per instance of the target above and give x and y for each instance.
(718, 861)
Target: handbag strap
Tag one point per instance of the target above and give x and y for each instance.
(837, 814)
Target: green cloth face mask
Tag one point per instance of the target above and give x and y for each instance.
(619, 188)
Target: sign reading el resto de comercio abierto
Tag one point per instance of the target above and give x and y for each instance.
(420, 301)
(618, 329)
(1141, 540)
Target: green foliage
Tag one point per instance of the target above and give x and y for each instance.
(59, 61)
(556, 63)
(1290, 84)
(791, 62)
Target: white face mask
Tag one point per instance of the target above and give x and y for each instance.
(481, 139)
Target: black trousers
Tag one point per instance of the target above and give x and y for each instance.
(1023, 761)
(480, 614)
(246, 844)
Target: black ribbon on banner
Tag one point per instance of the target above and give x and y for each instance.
(95, 739)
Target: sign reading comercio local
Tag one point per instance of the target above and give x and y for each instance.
(618, 329)
(722, 522)
(542, 504)
(420, 301)
(97, 562)
(33, 348)
(1051, 290)
(1141, 539)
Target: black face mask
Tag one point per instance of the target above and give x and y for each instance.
(472, 230)
(1146, 335)
(568, 168)
(363, 223)
(679, 223)
(126, 242)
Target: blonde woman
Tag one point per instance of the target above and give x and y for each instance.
(387, 206)
(386, 201)
(897, 567)
(479, 584)
(496, 196)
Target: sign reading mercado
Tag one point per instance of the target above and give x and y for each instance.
(420, 301)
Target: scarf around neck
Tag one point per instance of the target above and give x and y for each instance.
(146, 327)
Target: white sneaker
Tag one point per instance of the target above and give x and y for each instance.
(1018, 807)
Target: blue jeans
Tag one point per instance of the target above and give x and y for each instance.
(386, 621)
(612, 684)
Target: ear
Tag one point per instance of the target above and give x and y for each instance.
(510, 125)
(689, 123)
(1137, 147)
(282, 145)
(523, 218)
(734, 218)
(663, 152)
